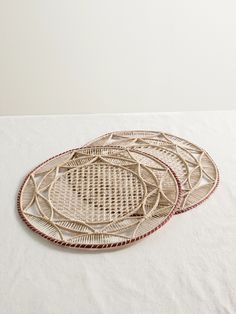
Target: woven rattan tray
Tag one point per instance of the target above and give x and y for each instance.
(197, 171)
(98, 197)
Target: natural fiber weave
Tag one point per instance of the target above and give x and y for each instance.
(195, 168)
(99, 197)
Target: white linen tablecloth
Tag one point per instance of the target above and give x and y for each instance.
(187, 267)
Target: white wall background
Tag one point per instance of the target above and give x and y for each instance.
(82, 56)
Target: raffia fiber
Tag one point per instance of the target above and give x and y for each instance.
(194, 167)
(98, 197)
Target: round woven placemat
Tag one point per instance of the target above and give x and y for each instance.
(98, 197)
(199, 177)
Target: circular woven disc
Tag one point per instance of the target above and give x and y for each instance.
(196, 170)
(98, 197)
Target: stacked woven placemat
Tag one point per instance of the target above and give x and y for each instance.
(115, 190)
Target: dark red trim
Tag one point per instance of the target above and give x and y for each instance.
(96, 246)
(150, 131)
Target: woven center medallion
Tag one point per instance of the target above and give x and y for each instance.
(96, 193)
(194, 167)
(98, 197)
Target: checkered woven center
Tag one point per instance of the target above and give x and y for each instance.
(96, 193)
(194, 167)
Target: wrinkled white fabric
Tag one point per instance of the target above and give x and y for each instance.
(188, 266)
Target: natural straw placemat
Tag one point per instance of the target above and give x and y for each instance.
(98, 197)
(201, 175)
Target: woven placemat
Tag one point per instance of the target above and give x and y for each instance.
(200, 177)
(98, 197)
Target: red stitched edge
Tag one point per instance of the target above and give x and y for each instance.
(177, 212)
(96, 246)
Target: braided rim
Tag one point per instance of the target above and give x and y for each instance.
(179, 211)
(97, 246)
